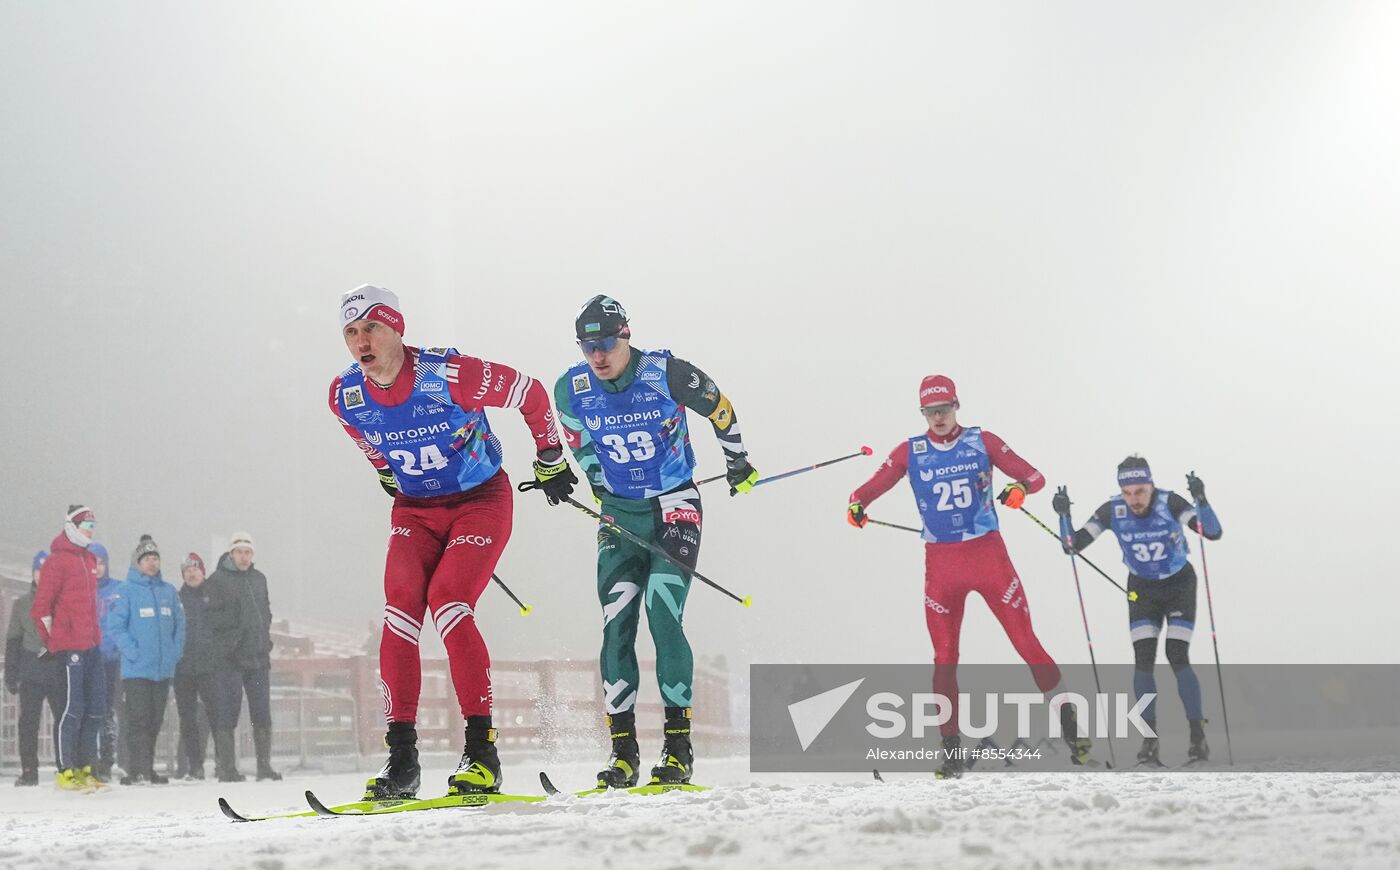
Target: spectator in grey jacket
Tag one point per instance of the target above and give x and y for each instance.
(34, 676)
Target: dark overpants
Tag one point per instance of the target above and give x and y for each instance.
(145, 711)
(256, 684)
(191, 693)
(107, 750)
(32, 695)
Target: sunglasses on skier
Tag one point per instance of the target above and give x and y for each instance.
(937, 410)
(590, 346)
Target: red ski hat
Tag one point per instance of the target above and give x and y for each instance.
(192, 561)
(937, 390)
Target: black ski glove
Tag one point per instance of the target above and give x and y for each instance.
(1197, 487)
(741, 477)
(554, 476)
(1061, 501)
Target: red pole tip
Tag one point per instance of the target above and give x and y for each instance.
(866, 450)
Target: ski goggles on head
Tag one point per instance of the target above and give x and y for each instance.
(591, 346)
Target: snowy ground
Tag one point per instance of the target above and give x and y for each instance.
(985, 820)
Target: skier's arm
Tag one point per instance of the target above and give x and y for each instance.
(381, 465)
(1199, 518)
(577, 437)
(477, 383)
(696, 390)
(1098, 523)
(1012, 465)
(890, 472)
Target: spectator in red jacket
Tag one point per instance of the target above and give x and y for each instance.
(65, 614)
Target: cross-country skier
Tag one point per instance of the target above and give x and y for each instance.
(949, 469)
(624, 417)
(419, 415)
(1148, 524)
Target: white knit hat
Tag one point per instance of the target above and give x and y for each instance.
(372, 303)
(241, 539)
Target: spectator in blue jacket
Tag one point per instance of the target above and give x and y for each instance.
(147, 624)
(107, 587)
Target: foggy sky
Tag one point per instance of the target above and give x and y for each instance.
(1162, 229)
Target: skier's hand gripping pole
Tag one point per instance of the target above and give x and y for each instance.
(864, 451)
(746, 600)
(524, 608)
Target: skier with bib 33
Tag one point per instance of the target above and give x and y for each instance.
(624, 416)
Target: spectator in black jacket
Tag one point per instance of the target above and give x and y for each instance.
(252, 657)
(211, 623)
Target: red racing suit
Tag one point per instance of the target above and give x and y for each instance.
(443, 549)
(981, 565)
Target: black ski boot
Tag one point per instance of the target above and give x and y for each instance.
(1148, 755)
(262, 745)
(401, 776)
(625, 763)
(677, 758)
(1079, 744)
(479, 771)
(1200, 750)
(226, 758)
(953, 763)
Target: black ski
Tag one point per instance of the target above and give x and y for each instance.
(233, 815)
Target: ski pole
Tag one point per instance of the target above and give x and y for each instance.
(864, 451)
(1098, 687)
(747, 600)
(1219, 672)
(1105, 576)
(875, 522)
(524, 608)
